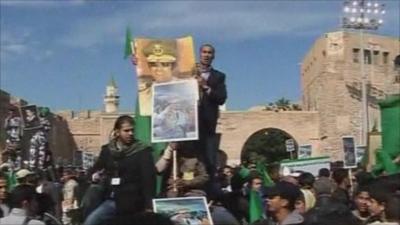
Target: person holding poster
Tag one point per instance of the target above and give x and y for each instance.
(212, 94)
(191, 175)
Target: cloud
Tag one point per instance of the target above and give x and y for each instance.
(14, 45)
(228, 21)
(40, 4)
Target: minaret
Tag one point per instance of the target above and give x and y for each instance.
(111, 100)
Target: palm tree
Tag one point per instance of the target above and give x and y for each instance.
(283, 103)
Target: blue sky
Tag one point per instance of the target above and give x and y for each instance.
(61, 54)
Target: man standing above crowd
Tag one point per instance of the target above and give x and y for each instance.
(212, 94)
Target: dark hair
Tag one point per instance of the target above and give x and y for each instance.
(333, 213)
(306, 180)
(22, 193)
(123, 119)
(364, 178)
(381, 196)
(324, 172)
(253, 175)
(207, 45)
(150, 218)
(392, 208)
(361, 189)
(339, 175)
(287, 191)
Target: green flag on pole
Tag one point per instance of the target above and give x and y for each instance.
(255, 207)
(128, 46)
(143, 134)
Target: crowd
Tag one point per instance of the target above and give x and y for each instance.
(86, 197)
(121, 185)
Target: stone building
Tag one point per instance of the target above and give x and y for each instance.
(331, 83)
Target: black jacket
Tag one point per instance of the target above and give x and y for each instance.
(137, 180)
(210, 102)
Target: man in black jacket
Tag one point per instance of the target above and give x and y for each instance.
(130, 176)
(212, 94)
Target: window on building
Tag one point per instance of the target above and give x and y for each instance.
(375, 58)
(367, 56)
(356, 55)
(324, 53)
(385, 57)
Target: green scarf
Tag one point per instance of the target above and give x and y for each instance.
(125, 150)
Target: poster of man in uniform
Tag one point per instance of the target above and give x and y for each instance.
(349, 151)
(184, 211)
(30, 117)
(174, 116)
(160, 61)
(305, 151)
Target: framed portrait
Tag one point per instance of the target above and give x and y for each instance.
(349, 152)
(304, 151)
(184, 211)
(162, 61)
(361, 150)
(174, 111)
(30, 117)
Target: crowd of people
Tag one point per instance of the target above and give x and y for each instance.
(120, 187)
(119, 192)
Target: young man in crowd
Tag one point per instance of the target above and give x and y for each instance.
(361, 199)
(341, 194)
(281, 205)
(24, 205)
(376, 205)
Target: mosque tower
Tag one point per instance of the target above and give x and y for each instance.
(111, 99)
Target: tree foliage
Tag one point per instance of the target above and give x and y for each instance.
(267, 145)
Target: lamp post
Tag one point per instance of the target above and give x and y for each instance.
(363, 15)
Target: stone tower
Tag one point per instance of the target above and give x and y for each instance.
(111, 99)
(331, 83)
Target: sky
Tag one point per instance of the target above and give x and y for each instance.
(61, 54)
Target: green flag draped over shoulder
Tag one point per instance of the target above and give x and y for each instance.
(143, 134)
(255, 206)
(128, 46)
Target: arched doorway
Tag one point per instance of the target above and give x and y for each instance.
(267, 145)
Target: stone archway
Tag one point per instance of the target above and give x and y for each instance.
(237, 127)
(268, 145)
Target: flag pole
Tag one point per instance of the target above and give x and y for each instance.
(174, 169)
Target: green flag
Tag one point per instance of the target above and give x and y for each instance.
(255, 207)
(143, 134)
(128, 40)
(244, 172)
(262, 171)
(390, 111)
(11, 180)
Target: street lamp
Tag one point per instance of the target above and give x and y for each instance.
(363, 15)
